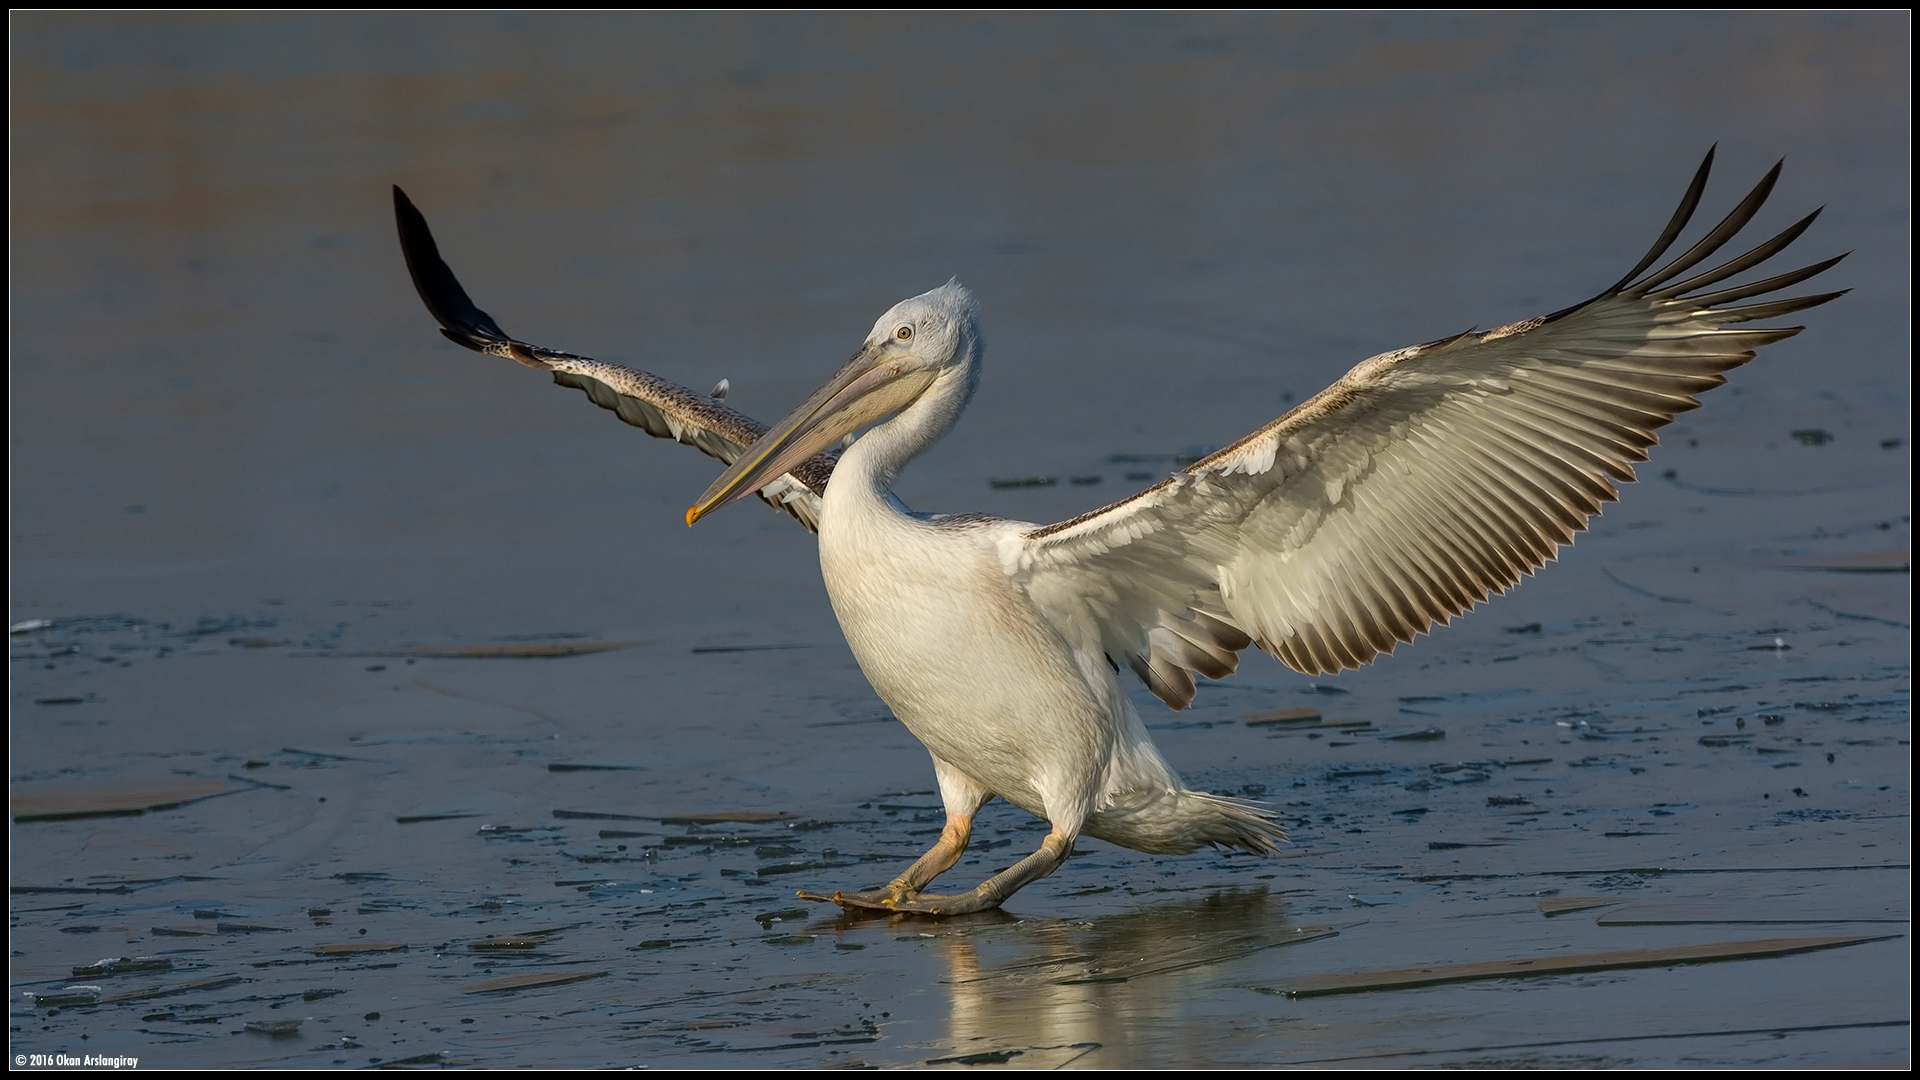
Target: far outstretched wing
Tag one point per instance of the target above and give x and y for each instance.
(661, 408)
(1421, 483)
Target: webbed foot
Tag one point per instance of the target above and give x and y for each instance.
(901, 896)
(883, 899)
(942, 906)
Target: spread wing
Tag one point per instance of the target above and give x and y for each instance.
(661, 408)
(1418, 485)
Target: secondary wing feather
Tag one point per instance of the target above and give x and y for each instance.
(1415, 487)
(659, 407)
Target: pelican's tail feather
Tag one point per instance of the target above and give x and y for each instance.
(1174, 822)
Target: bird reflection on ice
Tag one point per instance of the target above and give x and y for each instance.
(1055, 990)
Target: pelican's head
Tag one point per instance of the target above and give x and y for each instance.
(930, 342)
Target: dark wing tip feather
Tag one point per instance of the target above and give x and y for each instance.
(1736, 220)
(1688, 204)
(1776, 308)
(460, 320)
(1766, 250)
(1772, 284)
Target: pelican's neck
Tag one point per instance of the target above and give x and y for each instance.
(867, 469)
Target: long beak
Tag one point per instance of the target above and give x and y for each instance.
(872, 386)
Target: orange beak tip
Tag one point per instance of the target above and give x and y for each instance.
(693, 515)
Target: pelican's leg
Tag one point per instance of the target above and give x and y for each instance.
(991, 892)
(938, 860)
(1066, 810)
(963, 797)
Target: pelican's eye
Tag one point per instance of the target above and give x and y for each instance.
(905, 333)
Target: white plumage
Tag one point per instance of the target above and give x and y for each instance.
(1421, 483)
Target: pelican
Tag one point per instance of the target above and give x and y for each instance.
(1415, 487)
